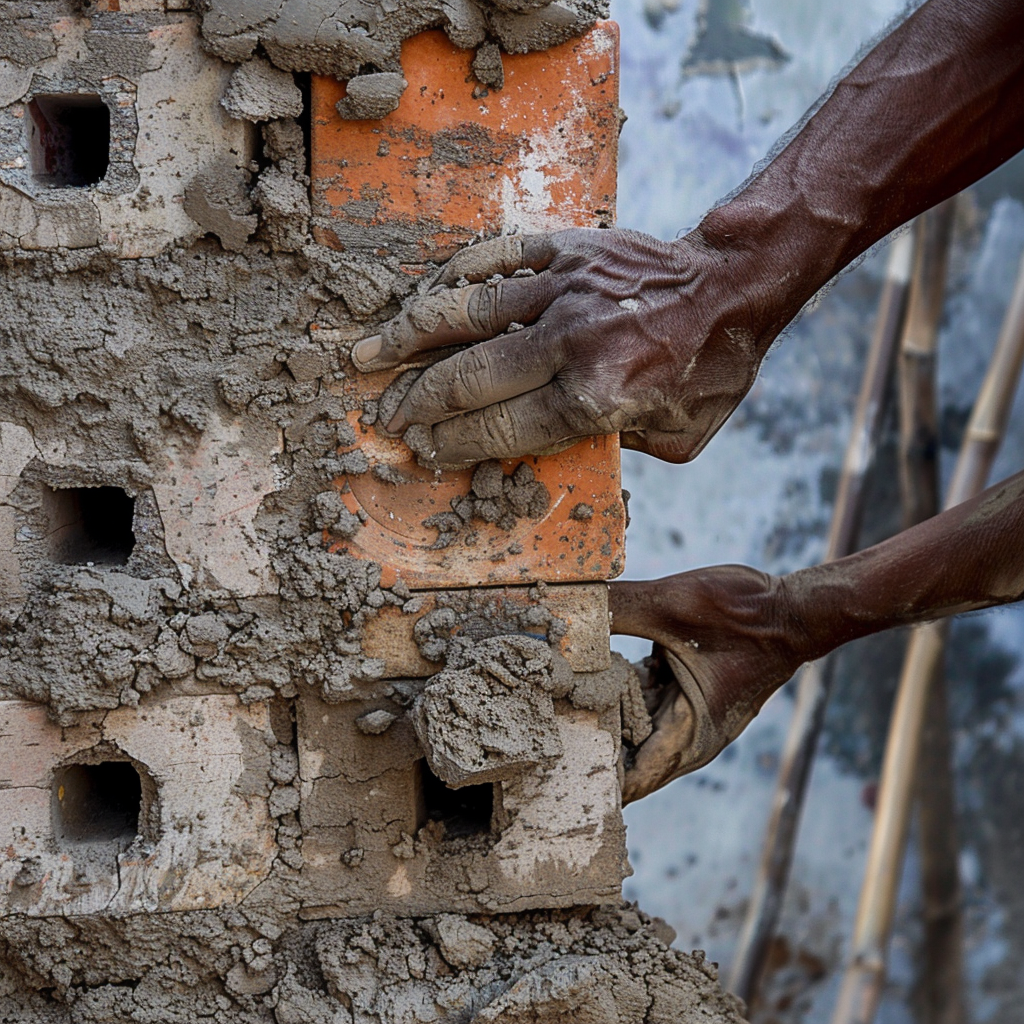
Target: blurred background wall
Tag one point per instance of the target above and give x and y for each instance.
(709, 86)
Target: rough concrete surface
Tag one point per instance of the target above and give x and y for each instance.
(489, 714)
(162, 94)
(343, 38)
(605, 966)
(222, 780)
(260, 92)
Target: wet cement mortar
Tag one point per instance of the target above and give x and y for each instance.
(361, 41)
(608, 964)
(116, 363)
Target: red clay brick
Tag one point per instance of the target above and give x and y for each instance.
(538, 155)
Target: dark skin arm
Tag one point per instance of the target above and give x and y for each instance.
(660, 341)
(739, 634)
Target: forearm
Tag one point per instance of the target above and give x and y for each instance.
(971, 556)
(937, 104)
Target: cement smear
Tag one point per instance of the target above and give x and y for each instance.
(602, 966)
(355, 37)
(181, 348)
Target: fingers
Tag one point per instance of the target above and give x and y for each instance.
(662, 756)
(535, 423)
(503, 256)
(453, 317)
(669, 446)
(476, 377)
(631, 604)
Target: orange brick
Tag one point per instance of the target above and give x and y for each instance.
(442, 170)
(447, 168)
(581, 536)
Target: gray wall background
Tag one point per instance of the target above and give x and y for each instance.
(762, 494)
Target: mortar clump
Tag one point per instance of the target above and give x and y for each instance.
(487, 66)
(283, 201)
(260, 92)
(489, 715)
(372, 96)
(471, 616)
(260, 965)
(218, 200)
(494, 497)
(345, 39)
(604, 966)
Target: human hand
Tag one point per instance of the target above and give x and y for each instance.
(576, 333)
(726, 640)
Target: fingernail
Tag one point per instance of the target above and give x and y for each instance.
(396, 425)
(367, 350)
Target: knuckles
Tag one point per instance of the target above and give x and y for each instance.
(470, 382)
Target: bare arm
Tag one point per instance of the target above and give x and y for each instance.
(660, 341)
(736, 635)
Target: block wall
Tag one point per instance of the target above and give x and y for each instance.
(180, 415)
(232, 785)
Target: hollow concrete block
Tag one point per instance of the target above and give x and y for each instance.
(204, 835)
(162, 93)
(555, 836)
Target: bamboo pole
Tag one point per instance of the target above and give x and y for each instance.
(918, 408)
(861, 989)
(815, 679)
(942, 974)
(942, 993)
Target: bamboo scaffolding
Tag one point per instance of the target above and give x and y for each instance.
(815, 680)
(941, 987)
(862, 984)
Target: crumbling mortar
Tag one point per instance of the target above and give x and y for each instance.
(160, 353)
(344, 40)
(250, 964)
(248, 354)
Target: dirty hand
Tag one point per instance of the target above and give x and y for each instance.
(726, 641)
(661, 340)
(580, 332)
(729, 636)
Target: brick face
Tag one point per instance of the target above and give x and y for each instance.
(198, 804)
(557, 837)
(537, 155)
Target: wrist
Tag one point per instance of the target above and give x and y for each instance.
(779, 249)
(824, 608)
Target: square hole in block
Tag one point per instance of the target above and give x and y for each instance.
(69, 139)
(90, 524)
(97, 802)
(466, 811)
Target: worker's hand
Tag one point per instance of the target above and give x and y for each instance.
(576, 333)
(726, 640)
